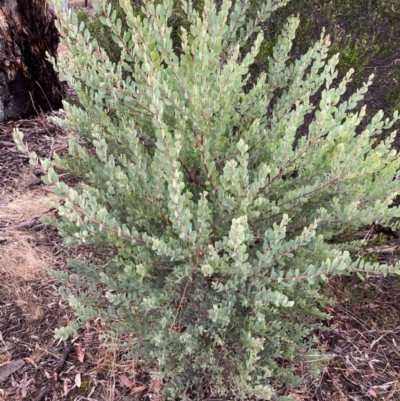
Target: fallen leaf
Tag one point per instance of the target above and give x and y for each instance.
(10, 368)
(126, 381)
(78, 380)
(131, 367)
(81, 354)
(139, 389)
(372, 392)
(14, 383)
(31, 361)
(66, 390)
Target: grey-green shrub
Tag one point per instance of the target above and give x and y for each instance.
(213, 209)
(104, 36)
(366, 34)
(99, 31)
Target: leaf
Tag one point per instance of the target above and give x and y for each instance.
(78, 380)
(360, 276)
(10, 367)
(81, 354)
(97, 7)
(31, 361)
(372, 392)
(126, 381)
(65, 386)
(139, 389)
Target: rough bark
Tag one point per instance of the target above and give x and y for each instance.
(28, 82)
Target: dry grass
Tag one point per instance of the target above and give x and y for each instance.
(23, 258)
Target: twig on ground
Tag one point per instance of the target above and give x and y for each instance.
(57, 369)
(32, 223)
(32, 184)
(25, 224)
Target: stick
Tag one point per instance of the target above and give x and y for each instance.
(32, 184)
(30, 223)
(25, 224)
(57, 369)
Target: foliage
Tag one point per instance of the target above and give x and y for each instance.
(365, 33)
(99, 31)
(213, 208)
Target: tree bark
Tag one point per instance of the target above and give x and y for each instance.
(28, 82)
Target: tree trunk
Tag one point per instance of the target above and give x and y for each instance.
(28, 82)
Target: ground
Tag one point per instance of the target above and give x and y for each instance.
(361, 343)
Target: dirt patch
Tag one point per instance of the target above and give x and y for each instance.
(365, 362)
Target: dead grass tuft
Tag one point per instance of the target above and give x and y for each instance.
(21, 259)
(22, 256)
(20, 206)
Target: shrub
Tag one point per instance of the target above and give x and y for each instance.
(104, 36)
(366, 35)
(215, 211)
(100, 32)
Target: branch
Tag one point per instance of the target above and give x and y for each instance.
(57, 369)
